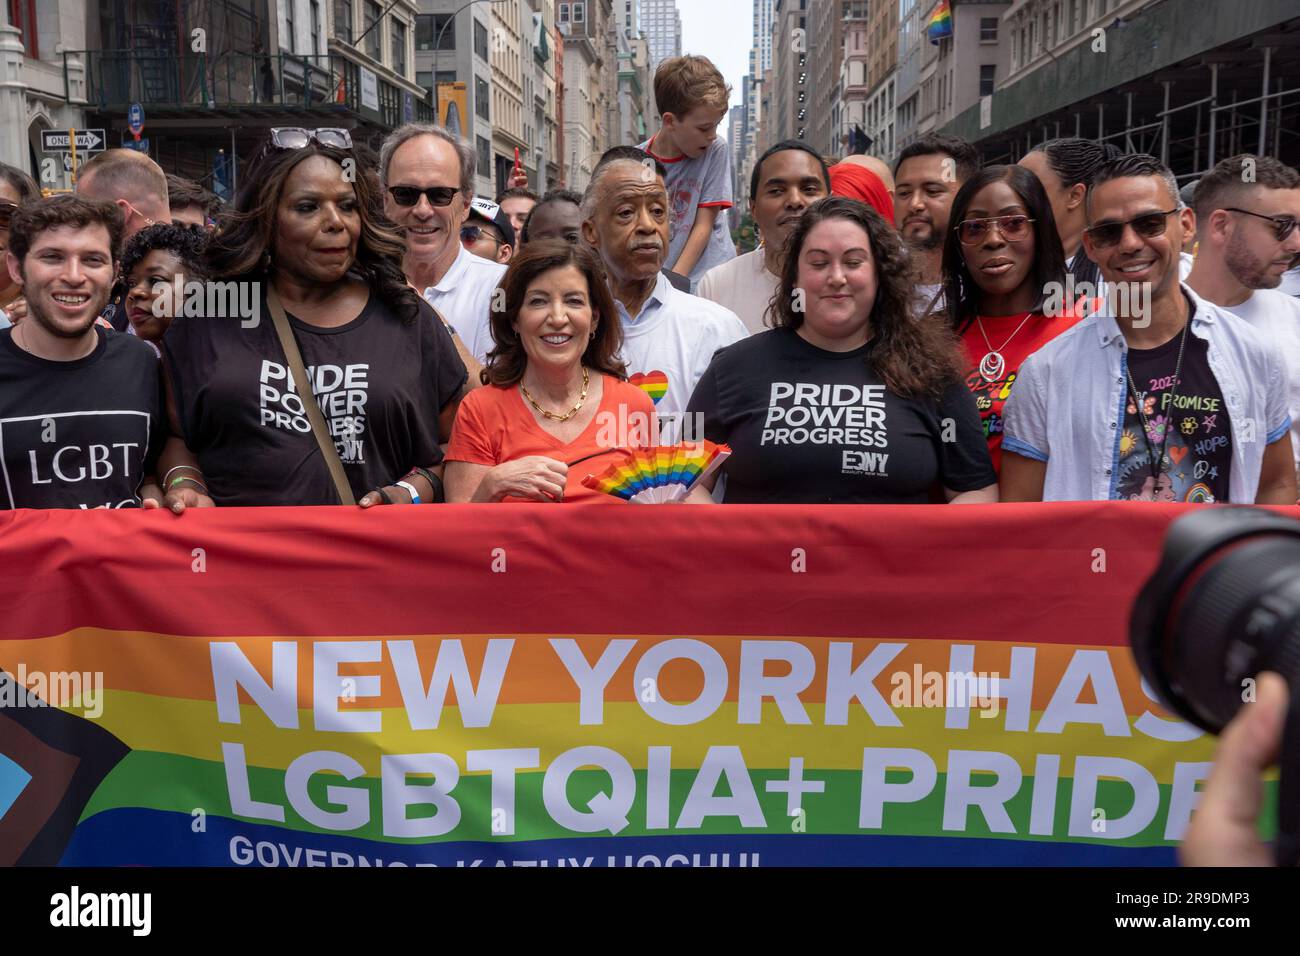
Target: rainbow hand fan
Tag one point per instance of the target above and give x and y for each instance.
(661, 474)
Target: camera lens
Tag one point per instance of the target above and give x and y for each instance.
(1223, 606)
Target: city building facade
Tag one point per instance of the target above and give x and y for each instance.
(590, 86)
(815, 102)
(849, 107)
(916, 59)
(760, 61)
(661, 24)
(453, 66)
(511, 100)
(973, 60)
(1134, 73)
(635, 97)
(36, 94)
(790, 73)
(212, 75)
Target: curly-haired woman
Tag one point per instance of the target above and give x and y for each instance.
(848, 399)
(159, 261)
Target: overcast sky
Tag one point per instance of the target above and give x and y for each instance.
(723, 31)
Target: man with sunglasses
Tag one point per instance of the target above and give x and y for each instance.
(138, 187)
(1248, 217)
(487, 232)
(1161, 395)
(427, 174)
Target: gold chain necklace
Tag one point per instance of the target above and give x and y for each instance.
(586, 380)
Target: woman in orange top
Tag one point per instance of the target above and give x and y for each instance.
(560, 406)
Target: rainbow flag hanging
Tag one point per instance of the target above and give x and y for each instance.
(940, 23)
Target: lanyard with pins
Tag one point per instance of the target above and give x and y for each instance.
(1158, 459)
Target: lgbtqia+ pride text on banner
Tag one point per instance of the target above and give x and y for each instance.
(483, 686)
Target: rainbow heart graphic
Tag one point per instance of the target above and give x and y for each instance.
(654, 384)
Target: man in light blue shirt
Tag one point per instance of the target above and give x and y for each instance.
(1161, 396)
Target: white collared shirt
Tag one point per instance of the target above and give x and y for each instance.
(668, 345)
(464, 299)
(1067, 408)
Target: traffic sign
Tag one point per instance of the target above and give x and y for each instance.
(135, 119)
(88, 141)
(141, 145)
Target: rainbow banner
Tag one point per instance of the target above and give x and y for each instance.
(551, 686)
(940, 23)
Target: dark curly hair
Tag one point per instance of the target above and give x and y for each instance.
(915, 359)
(507, 361)
(241, 248)
(960, 291)
(187, 243)
(35, 216)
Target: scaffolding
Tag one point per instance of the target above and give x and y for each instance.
(1242, 97)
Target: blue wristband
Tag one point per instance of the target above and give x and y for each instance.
(410, 490)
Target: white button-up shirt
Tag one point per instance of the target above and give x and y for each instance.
(1067, 406)
(464, 299)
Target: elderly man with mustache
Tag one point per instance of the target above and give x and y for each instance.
(669, 336)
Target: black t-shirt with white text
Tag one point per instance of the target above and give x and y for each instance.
(810, 426)
(380, 383)
(79, 434)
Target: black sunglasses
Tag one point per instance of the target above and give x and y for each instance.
(1282, 225)
(7, 210)
(410, 195)
(298, 137)
(1148, 226)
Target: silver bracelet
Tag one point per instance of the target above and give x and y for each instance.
(167, 477)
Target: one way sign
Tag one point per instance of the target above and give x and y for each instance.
(57, 140)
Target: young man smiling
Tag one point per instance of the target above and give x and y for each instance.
(81, 409)
(787, 179)
(1158, 397)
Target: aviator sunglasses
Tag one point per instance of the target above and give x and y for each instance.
(971, 231)
(475, 233)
